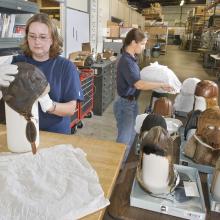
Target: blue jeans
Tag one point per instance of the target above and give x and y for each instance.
(125, 112)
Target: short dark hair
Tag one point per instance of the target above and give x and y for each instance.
(56, 47)
(134, 34)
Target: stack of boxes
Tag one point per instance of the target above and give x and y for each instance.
(154, 12)
(157, 34)
(113, 29)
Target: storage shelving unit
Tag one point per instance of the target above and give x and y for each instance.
(194, 28)
(15, 7)
(10, 45)
(52, 8)
(157, 35)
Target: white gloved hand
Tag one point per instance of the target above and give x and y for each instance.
(46, 103)
(0, 94)
(7, 72)
(6, 59)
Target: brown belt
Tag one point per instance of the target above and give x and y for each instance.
(130, 97)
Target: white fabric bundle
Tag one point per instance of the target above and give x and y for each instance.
(173, 124)
(189, 85)
(160, 73)
(155, 173)
(185, 100)
(200, 103)
(57, 183)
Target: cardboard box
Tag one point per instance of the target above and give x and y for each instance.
(110, 24)
(154, 30)
(199, 10)
(86, 47)
(124, 31)
(151, 42)
(114, 31)
(79, 57)
(106, 32)
(107, 54)
(171, 31)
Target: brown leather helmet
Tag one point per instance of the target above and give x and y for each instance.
(160, 137)
(211, 136)
(29, 84)
(206, 89)
(209, 117)
(163, 106)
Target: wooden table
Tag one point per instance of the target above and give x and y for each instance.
(120, 200)
(104, 156)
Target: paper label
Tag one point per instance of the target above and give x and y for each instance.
(191, 189)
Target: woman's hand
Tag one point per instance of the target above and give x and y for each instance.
(166, 87)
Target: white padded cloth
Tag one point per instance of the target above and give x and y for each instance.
(189, 85)
(57, 183)
(200, 103)
(160, 73)
(184, 102)
(155, 179)
(173, 124)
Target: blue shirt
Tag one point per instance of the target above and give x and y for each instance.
(128, 73)
(65, 86)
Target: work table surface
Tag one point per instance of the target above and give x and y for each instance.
(104, 156)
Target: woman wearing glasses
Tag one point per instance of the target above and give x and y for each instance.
(42, 47)
(129, 85)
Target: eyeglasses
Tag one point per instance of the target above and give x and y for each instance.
(41, 38)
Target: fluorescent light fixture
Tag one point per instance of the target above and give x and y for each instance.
(182, 3)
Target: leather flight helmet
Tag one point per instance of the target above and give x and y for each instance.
(29, 84)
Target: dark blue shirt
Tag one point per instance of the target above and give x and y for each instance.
(65, 86)
(128, 73)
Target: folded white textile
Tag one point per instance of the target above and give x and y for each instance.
(57, 183)
(160, 73)
(200, 103)
(184, 102)
(189, 85)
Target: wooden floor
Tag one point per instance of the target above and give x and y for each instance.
(185, 64)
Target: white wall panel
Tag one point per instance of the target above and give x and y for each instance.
(114, 8)
(133, 17)
(127, 14)
(121, 7)
(77, 30)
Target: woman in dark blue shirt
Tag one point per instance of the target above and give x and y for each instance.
(129, 85)
(42, 47)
